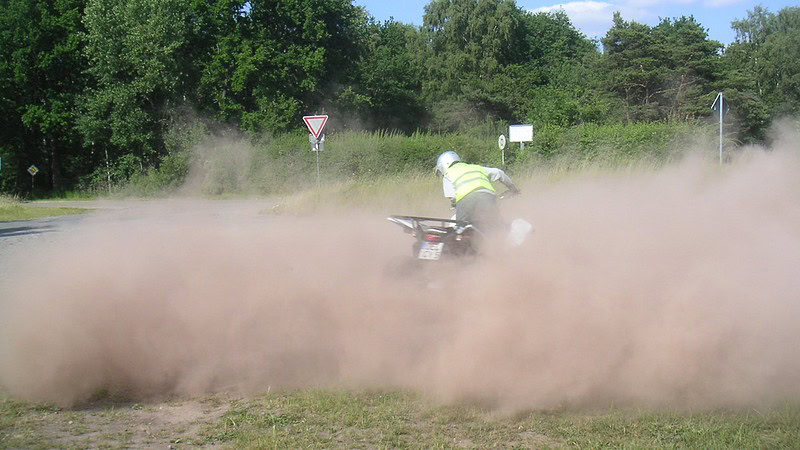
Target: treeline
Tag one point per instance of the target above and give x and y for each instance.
(90, 88)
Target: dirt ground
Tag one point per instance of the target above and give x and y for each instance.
(157, 424)
(670, 290)
(160, 423)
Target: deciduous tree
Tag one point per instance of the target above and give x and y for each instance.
(41, 72)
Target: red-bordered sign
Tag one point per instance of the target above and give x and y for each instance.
(315, 124)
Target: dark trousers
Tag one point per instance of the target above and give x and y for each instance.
(479, 209)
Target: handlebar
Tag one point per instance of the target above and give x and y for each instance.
(508, 194)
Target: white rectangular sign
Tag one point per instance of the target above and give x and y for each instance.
(520, 133)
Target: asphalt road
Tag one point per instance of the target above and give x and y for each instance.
(9, 231)
(19, 238)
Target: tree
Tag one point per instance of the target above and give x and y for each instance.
(41, 70)
(574, 93)
(469, 43)
(279, 59)
(756, 27)
(550, 38)
(390, 79)
(781, 54)
(691, 65)
(632, 67)
(136, 51)
(762, 67)
(490, 58)
(555, 80)
(661, 72)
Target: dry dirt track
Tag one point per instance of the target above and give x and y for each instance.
(668, 289)
(131, 425)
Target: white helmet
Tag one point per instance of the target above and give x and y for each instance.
(445, 160)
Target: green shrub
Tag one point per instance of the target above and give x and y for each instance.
(285, 164)
(611, 144)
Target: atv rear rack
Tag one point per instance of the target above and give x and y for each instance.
(412, 224)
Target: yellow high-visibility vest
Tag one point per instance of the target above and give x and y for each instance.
(467, 178)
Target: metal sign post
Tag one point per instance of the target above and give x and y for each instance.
(315, 125)
(317, 152)
(317, 145)
(521, 134)
(501, 142)
(33, 170)
(722, 106)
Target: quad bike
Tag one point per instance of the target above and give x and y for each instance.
(449, 238)
(437, 238)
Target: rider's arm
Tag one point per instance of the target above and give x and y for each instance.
(448, 188)
(496, 175)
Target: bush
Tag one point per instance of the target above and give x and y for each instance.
(284, 164)
(611, 144)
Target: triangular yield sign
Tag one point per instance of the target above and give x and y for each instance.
(315, 124)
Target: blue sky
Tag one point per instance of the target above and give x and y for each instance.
(593, 17)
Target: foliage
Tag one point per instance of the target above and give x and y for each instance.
(41, 78)
(96, 93)
(749, 111)
(764, 67)
(272, 61)
(391, 79)
(615, 144)
(661, 72)
(781, 50)
(486, 59)
(550, 38)
(469, 41)
(574, 94)
(135, 53)
(220, 164)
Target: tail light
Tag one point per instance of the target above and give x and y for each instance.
(432, 238)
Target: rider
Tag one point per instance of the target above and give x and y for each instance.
(469, 188)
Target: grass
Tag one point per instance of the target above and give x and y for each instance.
(420, 192)
(313, 419)
(281, 165)
(12, 209)
(413, 191)
(324, 419)
(316, 418)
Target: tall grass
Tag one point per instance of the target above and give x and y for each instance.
(12, 209)
(613, 145)
(403, 193)
(285, 164)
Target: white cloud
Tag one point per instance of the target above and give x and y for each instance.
(594, 18)
(658, 3)
(673, 3)
(575, 7)
(721, 3)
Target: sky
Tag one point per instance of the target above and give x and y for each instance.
(593, 17)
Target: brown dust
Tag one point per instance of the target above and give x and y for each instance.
(678, 287)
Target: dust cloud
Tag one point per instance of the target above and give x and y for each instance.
(671, 288)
